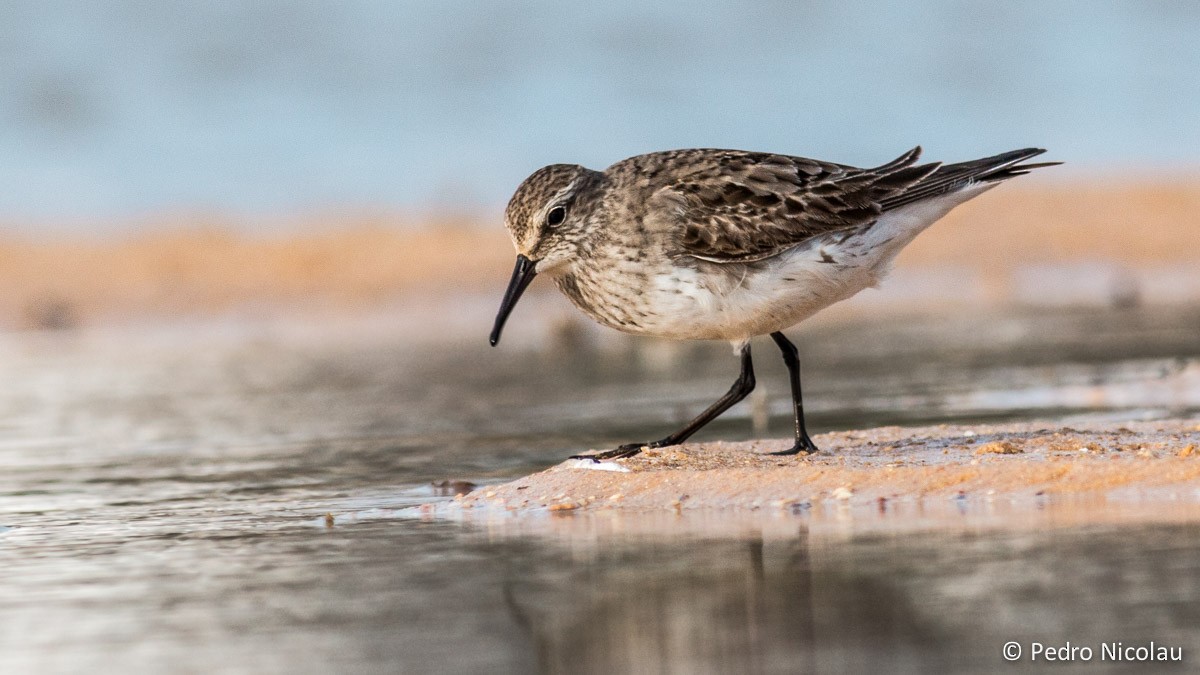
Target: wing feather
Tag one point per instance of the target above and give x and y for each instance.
(751, 206)
(742, 206)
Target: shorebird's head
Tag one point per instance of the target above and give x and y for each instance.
(547, 219)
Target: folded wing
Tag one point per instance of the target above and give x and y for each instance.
(752, 206)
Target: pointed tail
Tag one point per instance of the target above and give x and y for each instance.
(952, 177)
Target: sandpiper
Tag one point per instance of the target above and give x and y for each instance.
(728, 245)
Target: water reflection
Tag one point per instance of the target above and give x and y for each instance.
(164, 505)
(268, 593)
(932, 603)
(710, 606)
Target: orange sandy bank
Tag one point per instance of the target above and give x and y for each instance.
(201, 271)
(195, 268)
(1146, 462)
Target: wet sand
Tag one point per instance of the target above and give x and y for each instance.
(1139, 463)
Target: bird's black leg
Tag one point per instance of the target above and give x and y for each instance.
(792, 358)
(740, 389)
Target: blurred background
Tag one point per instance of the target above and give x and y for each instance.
(201, 158)
(250, 253)
(132, 109)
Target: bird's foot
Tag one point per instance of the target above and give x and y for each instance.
(804, 446)
(627, 450)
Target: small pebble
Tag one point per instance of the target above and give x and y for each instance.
(998, 448)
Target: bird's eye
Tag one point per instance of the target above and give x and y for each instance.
(556, 216)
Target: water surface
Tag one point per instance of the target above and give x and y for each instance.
(165, 496)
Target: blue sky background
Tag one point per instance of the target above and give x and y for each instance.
(129, 108)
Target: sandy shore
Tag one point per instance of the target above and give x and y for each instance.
(992, 250)
(1138, 463)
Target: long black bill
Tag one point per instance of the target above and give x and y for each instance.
(522, 274)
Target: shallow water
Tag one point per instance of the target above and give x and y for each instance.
(163, 506)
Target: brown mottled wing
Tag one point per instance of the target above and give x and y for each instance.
(741, 207)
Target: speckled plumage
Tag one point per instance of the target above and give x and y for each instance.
(727, 244)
